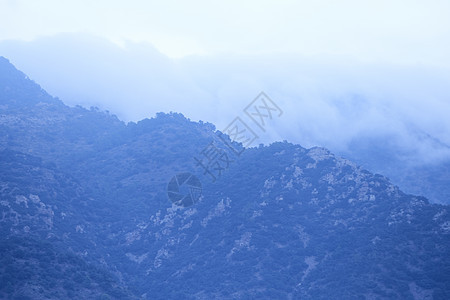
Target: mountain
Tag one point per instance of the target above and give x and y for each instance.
(385, 155)
(359, 114)
(275, 222)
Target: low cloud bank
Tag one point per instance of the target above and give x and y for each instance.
(328, 101)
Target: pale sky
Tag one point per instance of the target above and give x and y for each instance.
(411, 32)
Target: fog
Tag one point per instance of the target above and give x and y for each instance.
(327, 100)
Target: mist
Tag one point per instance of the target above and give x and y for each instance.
(331, 101)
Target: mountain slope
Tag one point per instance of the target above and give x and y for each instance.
(280, 222)
(34, 269)
(43, 225)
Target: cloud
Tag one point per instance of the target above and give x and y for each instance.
(327, 100)
(133, 81)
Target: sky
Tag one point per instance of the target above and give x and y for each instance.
(384, 30)
(340, 70)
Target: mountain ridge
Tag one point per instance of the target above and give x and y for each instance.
(281, 221)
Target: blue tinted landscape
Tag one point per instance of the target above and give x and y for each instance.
(178, 158)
